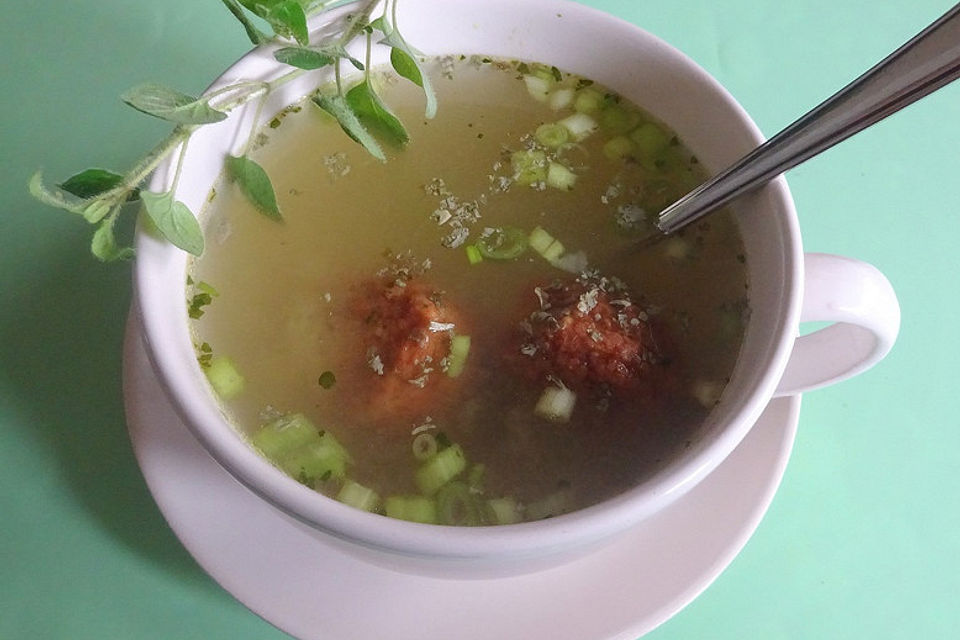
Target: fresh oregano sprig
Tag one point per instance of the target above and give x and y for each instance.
(99, 195)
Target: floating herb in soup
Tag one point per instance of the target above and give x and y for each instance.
(465, 334)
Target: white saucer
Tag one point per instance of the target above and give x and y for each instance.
(310, 590)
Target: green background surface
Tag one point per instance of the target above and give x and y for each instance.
(861, 540)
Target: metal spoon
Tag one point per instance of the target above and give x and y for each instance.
(930, 60)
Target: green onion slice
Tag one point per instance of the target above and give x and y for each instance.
(457, 359)
(552, 134)
(474, 255)
(440, 469)
(424, 446)
(456, 505)
(412, 508)
(504, 243)
(358, 496)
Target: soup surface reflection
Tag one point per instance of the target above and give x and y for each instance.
(464, 334)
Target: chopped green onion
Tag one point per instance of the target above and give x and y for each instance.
(358, 496)
(224, 377)
(503, 510)
(556, 404)
(320, 459)
(294, 444)
(504, 243)
(424, 446)
(588, 100)
(529, 166)
(457, 506)
(560, 177)
(474, 255)
(412, 508)
(652, 146)
(619, 120)
(285, 434)
(440, 469)
(619, 147)
(580, 125)
(207, 288)
(650, 139)
(540, 239)
(560, 99)
(554, 252)
(545, 244)
(538, 87)
(457, 359)
(552, 134)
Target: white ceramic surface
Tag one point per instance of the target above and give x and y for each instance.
(310, 589)
(667, 83)
(861, 305)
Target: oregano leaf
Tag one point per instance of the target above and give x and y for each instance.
(315, 57)
(55, 197)
(288, 19)
(255, 185)
(104, 244)
(171, 105)
(392, 38)
(371, 111)
(406, 66)
(259, 7)
(340, 52)
(174, 221)
(251, 5)
(91, 182)
(303, 58)
(336, 105)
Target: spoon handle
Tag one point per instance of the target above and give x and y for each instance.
(930, 60)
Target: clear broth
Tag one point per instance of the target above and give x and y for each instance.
(283, 313)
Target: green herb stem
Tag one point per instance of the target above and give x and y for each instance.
(256, 36)
(366, 60)
(179, 169)
(181, 134)
(254, 124)
(133, 178)
(103, 193)
(358, 22)
(262, 87)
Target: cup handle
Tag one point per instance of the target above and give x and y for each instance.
(863, 308)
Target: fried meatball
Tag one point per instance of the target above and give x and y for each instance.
(406, 333)
(590, 335)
